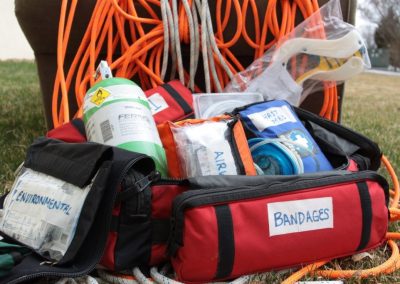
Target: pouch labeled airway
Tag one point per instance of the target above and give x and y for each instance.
(170, 102)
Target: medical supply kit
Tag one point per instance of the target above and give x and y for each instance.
(214, 222)
(220, 186)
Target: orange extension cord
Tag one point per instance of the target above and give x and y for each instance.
(143, 47)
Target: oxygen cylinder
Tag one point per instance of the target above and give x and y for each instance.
(116, 112)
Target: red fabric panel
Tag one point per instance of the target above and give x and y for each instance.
(353, 167)
(158, 254)
(66, 133)
(257, 251)
(162, 197)
(174, 111)
(380, 216)
(161, 206)
(108, 259)
(197, 260)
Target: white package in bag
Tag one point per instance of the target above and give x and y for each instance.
(211, 105)
(42, 212)
(204, 149)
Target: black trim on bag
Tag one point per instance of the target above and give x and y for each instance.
(114, 224)
(366, 208)
(78, 124)
(178, 98)
(226, 241)
(160, 230)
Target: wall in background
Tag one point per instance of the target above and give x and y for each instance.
(13, 44)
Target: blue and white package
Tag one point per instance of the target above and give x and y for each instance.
(277, 120)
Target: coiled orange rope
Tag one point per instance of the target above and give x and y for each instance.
(135, 41)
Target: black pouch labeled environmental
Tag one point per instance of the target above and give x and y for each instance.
(76, 166)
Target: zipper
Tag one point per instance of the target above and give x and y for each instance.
(235, 150)
(170, 181)
(103, 240)
(195, 198)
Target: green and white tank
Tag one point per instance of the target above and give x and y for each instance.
(116, 112)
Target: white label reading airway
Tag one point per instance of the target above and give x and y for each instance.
(157, 103)
(273, 116)
(300, 216)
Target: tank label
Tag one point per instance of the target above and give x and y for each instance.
(157, 103)
(122, 122)
(99, 96)
(300, 216)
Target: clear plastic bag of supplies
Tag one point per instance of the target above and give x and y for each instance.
(204, 149)
(210, 105)
(322, 49)
(42, 212)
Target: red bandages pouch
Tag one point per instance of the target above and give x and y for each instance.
(232, 226)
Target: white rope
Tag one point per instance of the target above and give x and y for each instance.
(200, 36)
(115, 279)
(192, 44)
(164, 17)
(196, 42)
(177, 41)
(160, 278)
(80, 280)
(140, 277)
(170, 23)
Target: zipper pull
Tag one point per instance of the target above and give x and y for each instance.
(155, 177)
(133, 187)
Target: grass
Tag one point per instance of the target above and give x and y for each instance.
(371, 106)
(21, 115)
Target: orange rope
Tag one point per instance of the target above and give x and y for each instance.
(117, 28)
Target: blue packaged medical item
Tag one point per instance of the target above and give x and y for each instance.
(277, 120)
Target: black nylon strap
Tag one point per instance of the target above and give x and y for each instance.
(178, 98)
(78, 124)
(160, 230)
(226, 241)
(114, 223)
(366, 208)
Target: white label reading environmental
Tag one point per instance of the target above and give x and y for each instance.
(42, 212)
(300, 216)
(157, 103)
(273, 116)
